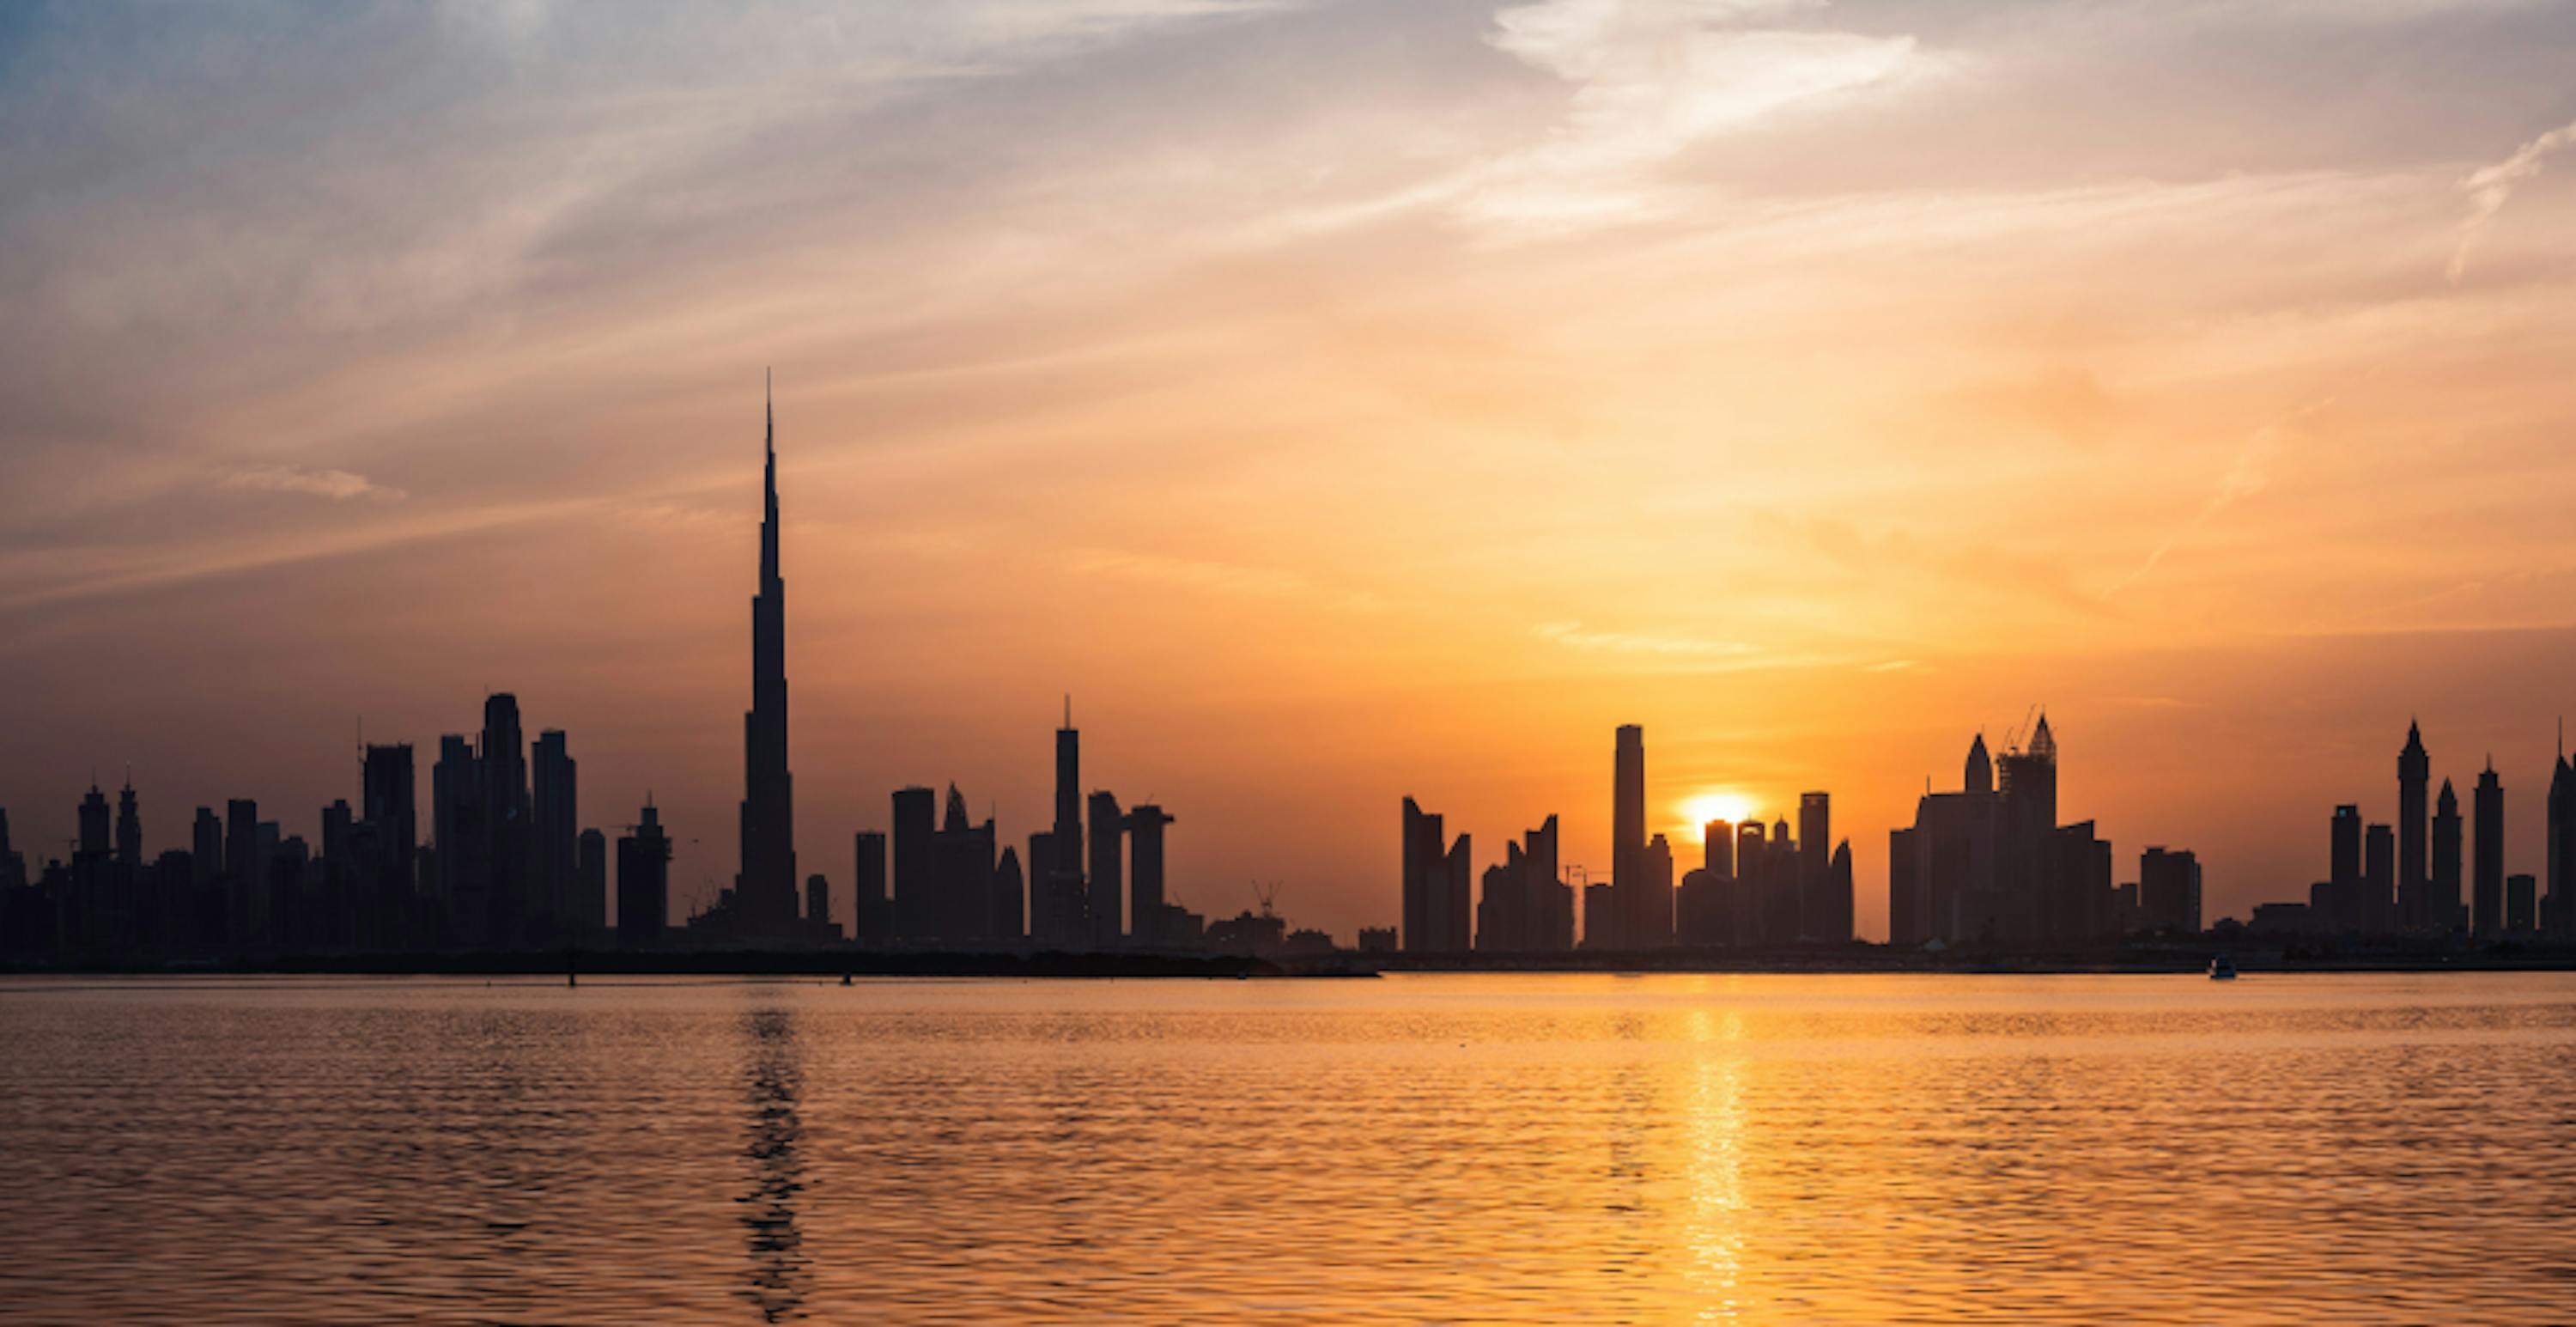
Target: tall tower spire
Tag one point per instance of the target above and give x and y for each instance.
(765, 893)
(769, 488)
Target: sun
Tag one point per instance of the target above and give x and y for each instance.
(1718, 804)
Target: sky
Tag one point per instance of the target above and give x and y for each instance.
(1340, 401)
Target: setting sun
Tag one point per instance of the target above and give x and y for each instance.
(1701, 808)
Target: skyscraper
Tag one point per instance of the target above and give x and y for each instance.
(1820, 917)
(2486, 856)
(590, 886)
(2379, 846)
(1752, 870)
(506, 824)
(458, 827)
(818, 900)
(964, 862)
(556, 823)
(643, 881)
(765, 891)
(2442, 904)
(1435, 884)
(2169, 891)
(1655, 893)
(1108, 842)
(93, 827)
(129, 829)
(916, 858)
(2414, 774)
(206, 841)
(871, 915)
(1628, 838)
(1068, 909)
(2558, 907)
(1009, 888)
(389, 808)
(245, 876)
(1145, 824)
(2343, 868)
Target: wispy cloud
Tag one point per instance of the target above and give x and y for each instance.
(2489, 187)
(337, 485)
(1654, 77)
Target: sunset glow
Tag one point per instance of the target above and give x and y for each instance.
(1342, 402)
(1730, 807)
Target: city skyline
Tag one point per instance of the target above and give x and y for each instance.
(509, 865)
(1765, 374)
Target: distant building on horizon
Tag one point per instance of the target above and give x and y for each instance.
(1437, 887)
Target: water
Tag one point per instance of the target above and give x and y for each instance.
(1565, 1149)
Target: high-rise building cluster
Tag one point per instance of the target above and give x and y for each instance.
(1752, 886)
(2407, 879)
(506, 864)
(1989, 863)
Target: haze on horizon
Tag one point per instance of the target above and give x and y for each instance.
(1341, 401)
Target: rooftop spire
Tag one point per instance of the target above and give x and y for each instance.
(769, 485)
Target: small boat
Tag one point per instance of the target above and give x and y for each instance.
(2222, 968)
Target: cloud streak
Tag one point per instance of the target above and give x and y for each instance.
(1652, 78)
(337, 485)
(2489, 187)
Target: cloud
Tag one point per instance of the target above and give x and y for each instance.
(1654, 77)
(2489, 186)
(337, 485)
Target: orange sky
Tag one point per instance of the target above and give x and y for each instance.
(1341, 401)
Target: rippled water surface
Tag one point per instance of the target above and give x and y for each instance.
(1421, 1149)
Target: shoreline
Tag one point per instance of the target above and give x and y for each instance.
(1050, 964)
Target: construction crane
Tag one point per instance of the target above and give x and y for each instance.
(2012, 739)
(1267, 895)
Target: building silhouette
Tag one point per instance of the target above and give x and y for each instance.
(1632, 924)
(555, 829)
(2414, 875)
(1991, 863)
(643, 882)
(2519, 916)
(1068, 908)
(508, 823)
(818, 901)
(1108, 880)
(1148, 919)
(916, 856)
(1701, 915)
(2442, 906)
(1816, 909)
(2486, 856)
(1525, 908)
(765, 890)
(590, 854)
(1655, 894)
(2378, 871)
(871, 911)
(1436, 885)
(2558, 907)
(2169, 891)
(388, 844)
(2343, 873)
